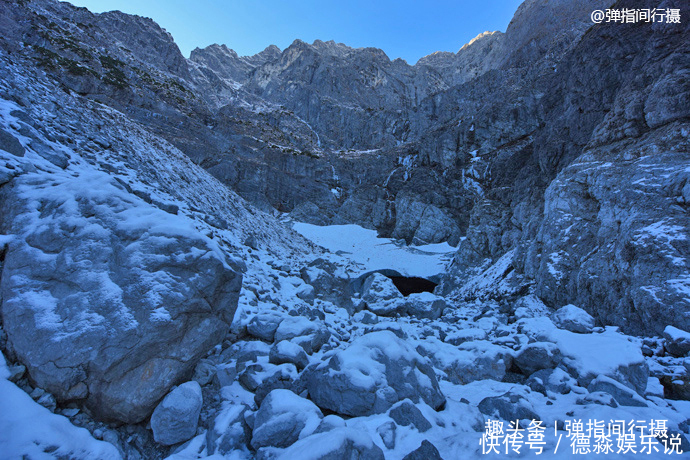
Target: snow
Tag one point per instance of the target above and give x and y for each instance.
(365, 248)
(28, 430)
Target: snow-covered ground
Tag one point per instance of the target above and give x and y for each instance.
(365, 248)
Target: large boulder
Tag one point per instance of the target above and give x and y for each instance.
(176, 417)
(373, 373)
(106, 298)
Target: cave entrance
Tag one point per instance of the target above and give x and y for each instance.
(405, 284)
(411, 284)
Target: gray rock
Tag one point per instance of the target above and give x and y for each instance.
(310, 335)
(228, 431)
(10, 144)
(381, 296)
(537, 356)
(175, 419)
(283, 418)
(387, 433)
(329, 423)
(573, 319)
(264, 326)
(345, 443)
(373, 373)
(137, 346)
(406, 413)
(677, 341)
(426, 451)
(511, 405)
(288, 352)
(623, 394)
(424, 305)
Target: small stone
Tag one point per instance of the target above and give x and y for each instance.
(426, 451)
(407, 413)
(537, 356)
(573, 319)
(288, 352)
(264, 327)
(387, 433)
(204, 372)
(329, 423)
(16, 372)
(677, 341)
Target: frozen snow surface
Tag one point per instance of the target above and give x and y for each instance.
(28, 430)
(370, 252)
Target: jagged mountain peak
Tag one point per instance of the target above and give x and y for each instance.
(481, 36)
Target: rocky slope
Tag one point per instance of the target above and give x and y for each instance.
(149, 294)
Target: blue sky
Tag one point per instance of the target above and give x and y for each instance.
(405, 28)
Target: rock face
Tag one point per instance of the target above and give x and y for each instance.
(373, 373)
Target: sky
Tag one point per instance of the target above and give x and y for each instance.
(408, 29)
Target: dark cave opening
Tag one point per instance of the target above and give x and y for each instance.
(411, 284)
